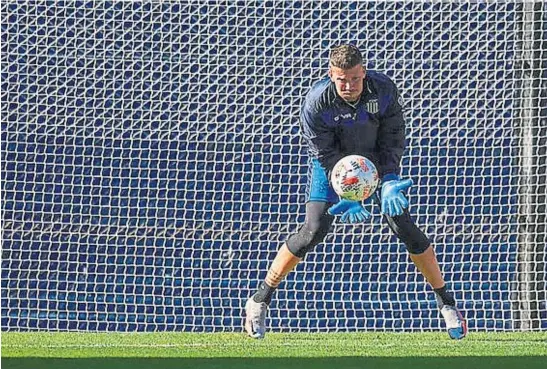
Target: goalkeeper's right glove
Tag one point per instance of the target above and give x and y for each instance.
(352, 211)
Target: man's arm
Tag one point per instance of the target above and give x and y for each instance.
(320, 138)
(391, 140)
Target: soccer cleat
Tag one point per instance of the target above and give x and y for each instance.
(255, 319)
(455, 323)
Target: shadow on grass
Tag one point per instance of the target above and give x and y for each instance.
(483, 362)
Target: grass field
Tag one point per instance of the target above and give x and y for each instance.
(290, 350)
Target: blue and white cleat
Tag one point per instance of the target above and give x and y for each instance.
(455, 322)
(255, 319)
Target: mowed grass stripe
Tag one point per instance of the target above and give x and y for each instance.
(281, 345)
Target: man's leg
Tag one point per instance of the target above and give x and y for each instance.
(312, 232)
(422, 254)
(427, 264)
(316, 226)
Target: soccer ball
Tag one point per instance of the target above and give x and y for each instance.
(354, 177)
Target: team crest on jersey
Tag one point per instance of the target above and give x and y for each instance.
(373, 107)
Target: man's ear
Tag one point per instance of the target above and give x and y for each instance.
(330, 74)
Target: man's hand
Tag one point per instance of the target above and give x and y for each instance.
(393, 200)
(352, 211)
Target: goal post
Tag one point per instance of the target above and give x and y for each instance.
(531, 301)
(152, 164)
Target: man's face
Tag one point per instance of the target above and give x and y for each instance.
(349, 82)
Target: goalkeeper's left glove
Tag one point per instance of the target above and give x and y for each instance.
(352, 211)
(393, 200)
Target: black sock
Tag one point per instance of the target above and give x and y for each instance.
(445, 296)
(264, 293)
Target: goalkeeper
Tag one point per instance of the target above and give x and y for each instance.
(353, 111)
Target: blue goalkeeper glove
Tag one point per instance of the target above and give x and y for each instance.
(352, 211)
(393, 200)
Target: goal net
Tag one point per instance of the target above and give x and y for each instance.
(152, 164)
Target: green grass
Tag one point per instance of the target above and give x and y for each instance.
(289, 350)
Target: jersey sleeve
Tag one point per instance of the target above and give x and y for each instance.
(391, 140)
(320, 138)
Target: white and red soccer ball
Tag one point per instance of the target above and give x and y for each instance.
(355, 178)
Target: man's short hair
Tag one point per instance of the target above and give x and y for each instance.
(345, 57)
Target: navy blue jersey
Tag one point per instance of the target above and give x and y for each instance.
(374, 127)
